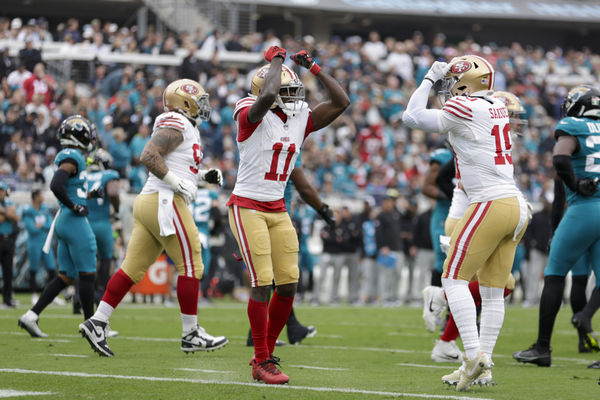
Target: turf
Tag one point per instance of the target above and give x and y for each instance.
(365, 352)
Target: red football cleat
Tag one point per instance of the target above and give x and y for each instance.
(268, 372)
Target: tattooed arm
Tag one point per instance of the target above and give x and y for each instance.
(162, 142)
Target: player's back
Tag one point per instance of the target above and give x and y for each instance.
(479, 132)
(185, 159)
(76, 185)
(586, 161)
(441, 156)
(99, 208)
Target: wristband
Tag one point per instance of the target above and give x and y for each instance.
(171, 179)
(314, 68)
(429, 79)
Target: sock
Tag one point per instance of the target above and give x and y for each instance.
(257, 314)
(103, 274)
(507, 291)
(577, 296)
(51, 275)
(86, 294)
(117, 288)
(187, 294)
(550, 301)
(474, 289)
(436, 278)
(279, 311)
(51, 290)
(492, 317)
(593, 304)
(451, 331)
(463, 310)
(188, 322)
(32, 283)
(292, 322)
(103, 312)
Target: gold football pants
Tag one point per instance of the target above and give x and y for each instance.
(268, 243)
(146, 244)
(482, 242)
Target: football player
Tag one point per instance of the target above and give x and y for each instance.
(162, 219)
(76, 242)
(103, 184)
(272, 124)
(485, 239)
(575, 158)
(37, 219)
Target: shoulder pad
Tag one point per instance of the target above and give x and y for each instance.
(171, 120)
(241, 104)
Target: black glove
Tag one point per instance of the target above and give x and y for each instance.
(587, 186)
(80, 210)
(214, 176)
(96, 193)
(327, 215)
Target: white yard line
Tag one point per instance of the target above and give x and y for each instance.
(5, 393)
(210, 371)
(263, 386)
(448, 367)
(319, 368)
(65, 355)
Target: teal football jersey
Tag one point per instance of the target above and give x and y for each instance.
(201, 209)
(100, 207)
(586, 162)
(76, 185)
(441, 156)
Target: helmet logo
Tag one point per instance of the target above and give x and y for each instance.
(262, 72)
(460, 67)
(190, 89)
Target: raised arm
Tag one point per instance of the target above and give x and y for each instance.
(112, 191)
(416, 114)
(326, 112)
(268, 93)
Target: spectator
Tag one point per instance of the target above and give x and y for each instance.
(422, 253)
(40, 83)
(8, 230)
(390, 256)
(30, 56)
(120, 151)
(17, 77)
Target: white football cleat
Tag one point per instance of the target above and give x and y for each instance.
(199, 339)
(472, 370)
(434, 304)
(28, 321)
(446, 352)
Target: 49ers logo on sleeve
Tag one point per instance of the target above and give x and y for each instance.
(190, 89)
(460, 67)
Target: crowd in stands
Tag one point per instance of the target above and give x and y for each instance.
(367, 154)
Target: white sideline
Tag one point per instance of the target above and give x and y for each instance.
(65, 355)
(5, 393)
(210, 371)
(260, 385)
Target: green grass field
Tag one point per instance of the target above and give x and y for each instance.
(358, 353)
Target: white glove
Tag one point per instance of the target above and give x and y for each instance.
(213, 175)
(184, 187)
(437, 71)
(445, 243)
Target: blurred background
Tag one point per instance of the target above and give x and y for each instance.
(110, 61)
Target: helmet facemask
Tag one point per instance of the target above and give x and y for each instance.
(204, 109)
(291, 97)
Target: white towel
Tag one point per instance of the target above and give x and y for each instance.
(48, 242)
(166, 213)
(523, 216)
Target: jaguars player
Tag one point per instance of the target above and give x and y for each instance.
(37, 221)
(575, 158)
(76, 242)
(485, 240)
(431, 189)
(162, 219)
(103, 182)
(272, 125)
(203, 208)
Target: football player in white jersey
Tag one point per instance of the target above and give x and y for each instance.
(485, 239)
(272, 124)
(162, 220)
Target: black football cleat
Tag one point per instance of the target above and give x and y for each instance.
(533, 355)
(584, 327)
(95, 332)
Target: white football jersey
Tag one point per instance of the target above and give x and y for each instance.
(479, 133)
(185, 160)
(268, 156)
(459, 204)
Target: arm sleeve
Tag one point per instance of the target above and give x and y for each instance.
(564, 168)
(558, 204)
(417, 115)
(445, 178)
(58, 187)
